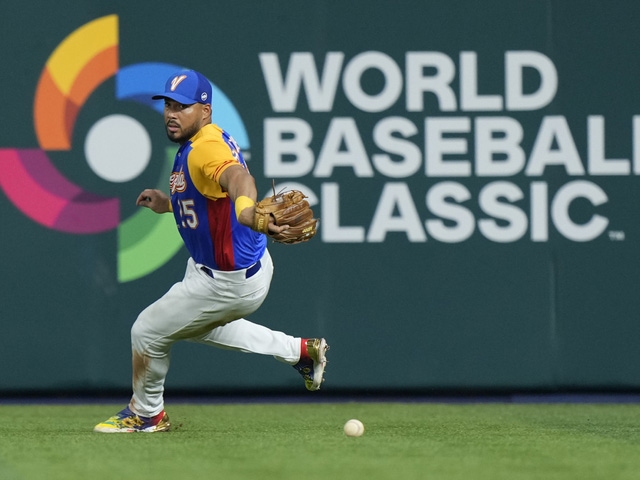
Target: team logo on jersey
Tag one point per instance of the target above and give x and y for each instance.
(76, 68)
(177, 183)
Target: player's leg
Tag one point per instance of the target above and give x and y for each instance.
(307, 356)
(189, 309)
(242, 335)
(248, 337)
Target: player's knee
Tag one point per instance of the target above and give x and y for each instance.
(138, 334)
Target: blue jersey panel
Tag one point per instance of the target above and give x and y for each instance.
(209, 227)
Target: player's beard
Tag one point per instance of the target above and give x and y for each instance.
(182, 135)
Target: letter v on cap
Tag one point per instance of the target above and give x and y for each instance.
(176, 81)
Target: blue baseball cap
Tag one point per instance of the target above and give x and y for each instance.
(187, 87)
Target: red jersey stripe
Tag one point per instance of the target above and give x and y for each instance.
(219, 212)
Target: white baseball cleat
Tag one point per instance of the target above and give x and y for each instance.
(313, 362)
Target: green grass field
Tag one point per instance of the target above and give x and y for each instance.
(306, 441)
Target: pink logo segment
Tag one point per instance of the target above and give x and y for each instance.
(35, 186)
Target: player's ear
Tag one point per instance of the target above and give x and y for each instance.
(206, 111)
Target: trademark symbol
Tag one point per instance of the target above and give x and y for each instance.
(616, 236)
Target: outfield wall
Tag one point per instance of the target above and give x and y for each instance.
(475, 172)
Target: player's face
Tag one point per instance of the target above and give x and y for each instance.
(182, 121)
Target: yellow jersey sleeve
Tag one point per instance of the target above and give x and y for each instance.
(209, 157)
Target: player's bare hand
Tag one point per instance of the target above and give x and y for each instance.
(273, 228)
(247, 216)
(156, 200)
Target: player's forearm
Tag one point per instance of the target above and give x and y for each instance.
(244, 186)
(242, 191)
(246, 215)
(155, 200)
(244, 199)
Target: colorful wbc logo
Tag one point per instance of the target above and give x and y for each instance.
(80, 64)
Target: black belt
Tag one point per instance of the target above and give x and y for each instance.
(250, 272)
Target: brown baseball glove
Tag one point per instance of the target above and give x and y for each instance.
(286, 208)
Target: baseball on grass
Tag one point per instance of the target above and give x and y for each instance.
(353, 428)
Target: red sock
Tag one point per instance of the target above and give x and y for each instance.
(156, 419)
(304, 353)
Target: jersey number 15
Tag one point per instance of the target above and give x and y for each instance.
(188, 214)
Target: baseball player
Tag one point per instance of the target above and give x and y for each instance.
(212, 197)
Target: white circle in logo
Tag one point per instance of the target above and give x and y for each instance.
(203, 96)
(118, 148)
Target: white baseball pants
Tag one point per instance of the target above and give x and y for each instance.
(204, 310)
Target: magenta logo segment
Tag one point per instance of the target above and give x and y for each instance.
(34, 185)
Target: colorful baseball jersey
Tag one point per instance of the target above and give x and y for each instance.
(204, 213)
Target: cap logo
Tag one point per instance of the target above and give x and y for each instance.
(176, 81)
(203, 97)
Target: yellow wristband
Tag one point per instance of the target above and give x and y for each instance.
(243, 202)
